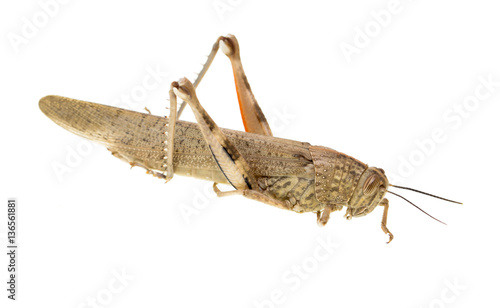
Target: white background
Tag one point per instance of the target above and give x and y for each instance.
(101, 218)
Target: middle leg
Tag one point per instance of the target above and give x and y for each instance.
(323, 217)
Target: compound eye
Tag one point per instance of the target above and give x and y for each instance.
(371, 185)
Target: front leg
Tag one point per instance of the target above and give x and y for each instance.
(385, 204)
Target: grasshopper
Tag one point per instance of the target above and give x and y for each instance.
(287, 174)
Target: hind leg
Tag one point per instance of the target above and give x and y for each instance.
(253, 118)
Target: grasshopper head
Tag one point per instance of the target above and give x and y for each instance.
(369, 192)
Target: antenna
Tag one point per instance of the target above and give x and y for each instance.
(417, 207)
(412, 189)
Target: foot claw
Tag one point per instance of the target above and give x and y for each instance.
(321, 223)
(134, 164)
(390, 237)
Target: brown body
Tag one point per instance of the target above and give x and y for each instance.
(303, 176)
(284, 173)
